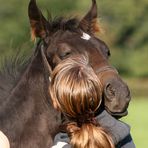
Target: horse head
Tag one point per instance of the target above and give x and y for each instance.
(62, 38)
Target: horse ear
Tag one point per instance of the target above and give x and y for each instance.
(89, 22)
(39, 25)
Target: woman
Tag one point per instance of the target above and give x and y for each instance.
(76, 91)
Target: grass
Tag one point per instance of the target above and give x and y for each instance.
(138, 120)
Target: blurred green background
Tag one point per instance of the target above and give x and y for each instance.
(125, 25)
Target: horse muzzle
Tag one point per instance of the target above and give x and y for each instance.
(116, 93)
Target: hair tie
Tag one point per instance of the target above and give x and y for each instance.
(86, 118)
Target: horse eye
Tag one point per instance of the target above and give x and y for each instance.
(108, 53)
(65, 54)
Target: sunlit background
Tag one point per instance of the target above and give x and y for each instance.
(125, 30)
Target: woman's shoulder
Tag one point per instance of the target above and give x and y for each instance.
(4, 142)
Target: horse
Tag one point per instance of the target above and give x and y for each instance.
(27, 115)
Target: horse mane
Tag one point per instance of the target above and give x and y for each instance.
(10, 72)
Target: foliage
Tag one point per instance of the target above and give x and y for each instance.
(127, 34)
(125, 23)
(131, 62)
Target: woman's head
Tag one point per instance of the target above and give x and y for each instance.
(75, 88)
(76, 91)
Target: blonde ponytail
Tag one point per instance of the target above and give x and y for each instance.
(88, 136)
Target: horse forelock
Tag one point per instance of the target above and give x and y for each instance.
(61, 23)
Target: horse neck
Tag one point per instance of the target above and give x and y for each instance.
(28, 107)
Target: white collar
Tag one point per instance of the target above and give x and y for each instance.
(59, 145)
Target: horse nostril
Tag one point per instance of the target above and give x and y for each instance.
(117, 90)
(109, 91)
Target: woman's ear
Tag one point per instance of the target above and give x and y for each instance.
(89, 22)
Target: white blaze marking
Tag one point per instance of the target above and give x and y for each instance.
(85, 36)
